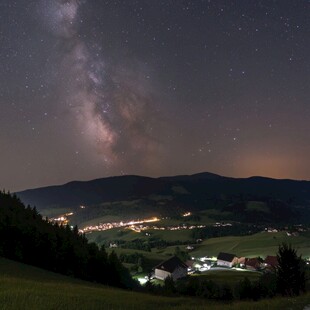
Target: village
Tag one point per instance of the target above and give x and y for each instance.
(177, 269)
(140, 225)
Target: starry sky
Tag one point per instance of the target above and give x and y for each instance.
(94, 88)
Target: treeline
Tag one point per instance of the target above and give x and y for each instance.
(265, 287)
(147, 245)
(223, 231)
(133, 258)
(143, 263)
(192, 217)
(268, 285)
(28, 238)
(276, 211)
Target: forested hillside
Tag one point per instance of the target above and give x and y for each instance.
(26, 237)
(250, 200)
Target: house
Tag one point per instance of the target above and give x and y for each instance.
(173, 267)
(271, 262)
(252, 263)
(226, 259)
(190, 248)
(190, 264)
(241, 261)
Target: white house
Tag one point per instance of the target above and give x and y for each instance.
(173, 267)
(226, 259)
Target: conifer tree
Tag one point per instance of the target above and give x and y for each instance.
(291, 279)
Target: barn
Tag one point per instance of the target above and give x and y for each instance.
(226, 259)
(173, 267)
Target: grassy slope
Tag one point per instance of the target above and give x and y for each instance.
(25, 287)
(153, 258)
(129, 235)
(260, 244)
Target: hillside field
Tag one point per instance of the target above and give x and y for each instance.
(23, 286)
(260, 244)
(130, 235)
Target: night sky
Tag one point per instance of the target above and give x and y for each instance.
(97, 88)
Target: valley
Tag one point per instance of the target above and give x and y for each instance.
(197, 215)
(150, 221)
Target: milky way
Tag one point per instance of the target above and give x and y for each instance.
(92, 88)
(111, 106)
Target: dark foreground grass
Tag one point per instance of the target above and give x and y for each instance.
(25, 287)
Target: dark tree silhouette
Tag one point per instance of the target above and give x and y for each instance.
(245, 289)
(26, 237)
(291, 279)
(169, 286)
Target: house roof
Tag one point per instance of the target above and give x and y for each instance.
(271, 260)
(253, 262)
(227, 257)
(171, 264)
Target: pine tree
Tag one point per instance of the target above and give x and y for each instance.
(291, 279)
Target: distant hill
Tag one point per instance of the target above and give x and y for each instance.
(280, 200)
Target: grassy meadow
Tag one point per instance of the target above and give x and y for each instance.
(130, 235)
(26, 287)
(260, 244)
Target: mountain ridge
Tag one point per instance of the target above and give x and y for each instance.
(187, 176)
(137, 195)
